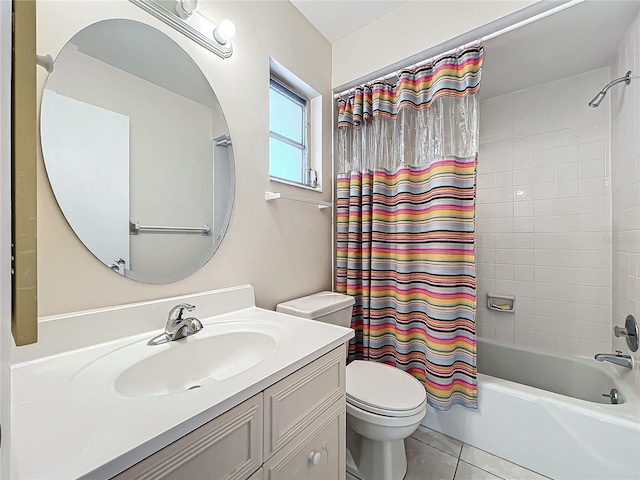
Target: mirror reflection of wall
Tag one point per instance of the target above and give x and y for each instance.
(132, 72)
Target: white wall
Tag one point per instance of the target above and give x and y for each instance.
(6, 340)
(625, 181)
(410, 29)
(282, 248)
(543, 216)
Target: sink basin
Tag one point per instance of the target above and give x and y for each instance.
(218, 352)
(189, 366)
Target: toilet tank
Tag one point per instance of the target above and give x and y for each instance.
(327, 307)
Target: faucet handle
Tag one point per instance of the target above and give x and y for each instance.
(618, 353)
(176, 312)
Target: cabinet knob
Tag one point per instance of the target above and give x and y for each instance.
(314, 458)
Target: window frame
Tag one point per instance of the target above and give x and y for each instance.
(301, 100)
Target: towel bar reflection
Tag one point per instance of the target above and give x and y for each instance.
(135, 228)
(271, 196)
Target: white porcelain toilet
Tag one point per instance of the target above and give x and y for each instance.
(384, 404)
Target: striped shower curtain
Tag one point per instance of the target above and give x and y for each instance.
(405, 223)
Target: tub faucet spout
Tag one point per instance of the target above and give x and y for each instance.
(625, 361)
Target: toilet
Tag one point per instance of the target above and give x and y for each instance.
(384, 404)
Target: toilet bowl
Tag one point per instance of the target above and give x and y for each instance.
(384, 404)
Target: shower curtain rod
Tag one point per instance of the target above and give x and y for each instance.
(470, 39)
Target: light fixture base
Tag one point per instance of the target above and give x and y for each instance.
(196, 27)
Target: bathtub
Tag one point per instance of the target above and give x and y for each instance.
(546, 412)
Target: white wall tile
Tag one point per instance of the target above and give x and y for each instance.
(592, 168)
(592, 151)
(545, 157)
(568, 154)
(593, 133)
(523, 224)
(504, 272)
(524, 337)
(524, 177)
(523, 209)
(504, 240)
(545, 174)
(523, 256)
(523, 159)
(568, 171)
(567, 136)
(543, 191)
(523, 241)
(546, 341)
(547, 204)
(545, 141)
(504, 256)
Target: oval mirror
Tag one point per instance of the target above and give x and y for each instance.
(137, 151)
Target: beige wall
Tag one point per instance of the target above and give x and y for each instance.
(282, 248)
(409, 30)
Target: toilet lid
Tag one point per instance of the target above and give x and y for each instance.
(383, 389)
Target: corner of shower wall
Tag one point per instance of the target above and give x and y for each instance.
(625, 180)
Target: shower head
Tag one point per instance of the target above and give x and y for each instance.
(597, 100)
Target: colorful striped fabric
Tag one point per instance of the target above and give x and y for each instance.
(453, 75)
(405, 251)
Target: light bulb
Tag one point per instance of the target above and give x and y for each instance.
(224, 32)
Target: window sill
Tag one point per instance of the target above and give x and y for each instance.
(295, 184)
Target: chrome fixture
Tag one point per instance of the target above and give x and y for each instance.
(613, 396)
(619, 359)
(600, 96)
(178, 327)
(135, 228)
(118, 265)
(630, 331)
(186, 19)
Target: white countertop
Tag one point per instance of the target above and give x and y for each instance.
(67, 424)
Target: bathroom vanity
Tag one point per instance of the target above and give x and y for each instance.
(293, 429)
(256, 394)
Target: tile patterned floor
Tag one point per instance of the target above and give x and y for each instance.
(434, 456)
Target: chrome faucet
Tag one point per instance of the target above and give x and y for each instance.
(625, 361)
(178, 327)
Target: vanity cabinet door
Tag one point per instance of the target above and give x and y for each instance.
(294, 402)
(317, 454)
(228, 447)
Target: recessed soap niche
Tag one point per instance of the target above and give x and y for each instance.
(501, 303)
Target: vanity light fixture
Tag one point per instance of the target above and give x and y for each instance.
(186, 19)
(225, 32)
(185, 8)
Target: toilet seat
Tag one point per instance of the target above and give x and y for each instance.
(384, 390)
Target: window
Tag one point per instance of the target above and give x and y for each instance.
(288, 142)
(295, 126)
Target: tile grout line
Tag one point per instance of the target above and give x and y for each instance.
(456, 470)
(480, 468)
(496, 456)
(459, 458)
(439, 449)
